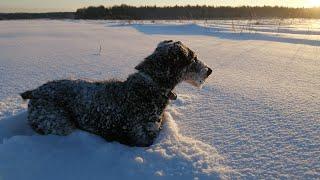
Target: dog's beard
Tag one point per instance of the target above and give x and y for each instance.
(197, 79)
(196, 83)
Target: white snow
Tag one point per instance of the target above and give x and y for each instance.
(139, 159)
(25, 155)
(257, 117)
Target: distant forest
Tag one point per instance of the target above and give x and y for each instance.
(53, 15)
(194, 12)
(175, 12)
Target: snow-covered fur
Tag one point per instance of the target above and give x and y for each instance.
(130, 112)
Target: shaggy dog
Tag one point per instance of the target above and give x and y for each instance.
(130, 112)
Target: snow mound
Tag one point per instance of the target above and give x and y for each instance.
(11, 106)
(26, 155)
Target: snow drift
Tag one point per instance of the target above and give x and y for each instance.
(26, 155)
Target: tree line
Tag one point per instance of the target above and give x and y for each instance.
(193, 12)
(53, 15)
(172, 12)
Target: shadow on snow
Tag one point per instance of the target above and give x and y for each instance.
(194, 29)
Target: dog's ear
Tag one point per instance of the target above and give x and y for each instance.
(165, 42)
(168, 54)
(146, 64)
(159, 53)
(183, 56)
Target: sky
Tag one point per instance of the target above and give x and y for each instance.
(72, 5)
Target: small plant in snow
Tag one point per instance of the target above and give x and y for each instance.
(99, 50)
(233, 27)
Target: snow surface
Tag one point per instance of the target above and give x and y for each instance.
(257, 117)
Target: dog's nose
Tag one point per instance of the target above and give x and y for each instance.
(209, 71)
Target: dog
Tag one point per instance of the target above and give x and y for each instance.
(130, 112)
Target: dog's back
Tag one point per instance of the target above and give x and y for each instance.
(81, 100)
(60, 90)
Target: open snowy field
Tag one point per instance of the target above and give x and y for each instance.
(258, 116)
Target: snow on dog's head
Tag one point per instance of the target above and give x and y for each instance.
(173, 62)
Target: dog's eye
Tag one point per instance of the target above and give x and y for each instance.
(195, 60)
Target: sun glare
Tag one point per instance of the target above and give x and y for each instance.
(313, 3)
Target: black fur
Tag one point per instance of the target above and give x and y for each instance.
(130, 112)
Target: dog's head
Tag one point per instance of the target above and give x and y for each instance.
(173, 62)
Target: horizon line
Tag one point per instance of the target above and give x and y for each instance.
(159, 6)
